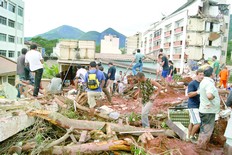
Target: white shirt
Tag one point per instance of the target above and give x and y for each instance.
(81, 74)
(33, 57)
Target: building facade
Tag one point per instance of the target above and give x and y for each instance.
(133, 43)
(11, 28)
(110, 44)
(198, 29)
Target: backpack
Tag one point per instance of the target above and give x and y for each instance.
(93, 82)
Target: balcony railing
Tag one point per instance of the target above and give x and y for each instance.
(157, 37)
(177, 43)
(156, 47)
(179, 30)
(176, 56)
(167, 45)
(168, 33)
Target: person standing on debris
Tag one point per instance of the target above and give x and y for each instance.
(138, 62)
(209, 107)
(224, 77)
(21, 64)
(164, 64)
(193, 106)
(35, 61)
(80, 76)
(147, 96)
(216, 67)
(111, 77)
(104, 89)
(95, 81)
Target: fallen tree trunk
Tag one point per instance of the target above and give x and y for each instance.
(62, 121)
(83, 108)
(118, 145)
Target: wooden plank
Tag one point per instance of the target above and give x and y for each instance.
(83, 136)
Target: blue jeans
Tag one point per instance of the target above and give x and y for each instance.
(137, 65)
(145, 112)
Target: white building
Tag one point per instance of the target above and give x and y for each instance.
(110, 44)
(133, 43)
(11, 28)
(198, 28)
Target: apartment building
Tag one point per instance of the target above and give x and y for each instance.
(11, 28)
(133, 43)
(110, 44)
(197, 29)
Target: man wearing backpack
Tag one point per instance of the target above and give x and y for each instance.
(95, 81)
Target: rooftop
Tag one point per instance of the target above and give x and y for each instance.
(9, 67)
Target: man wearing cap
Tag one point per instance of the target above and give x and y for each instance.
(111, 77)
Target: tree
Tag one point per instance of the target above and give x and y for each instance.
(98, 48)
(47, 44)
(229, 50)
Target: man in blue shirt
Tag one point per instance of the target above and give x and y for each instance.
(193, 105)
(138, 62)
(93, 93)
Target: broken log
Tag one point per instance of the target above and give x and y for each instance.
(83, 108)
(60, 140)
(62, 121)
(60, 103)
(92, 147)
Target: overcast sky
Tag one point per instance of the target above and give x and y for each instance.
(125, 16)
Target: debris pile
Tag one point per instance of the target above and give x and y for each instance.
(61, 125)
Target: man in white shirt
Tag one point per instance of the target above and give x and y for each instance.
(80, 75)
(35, 61)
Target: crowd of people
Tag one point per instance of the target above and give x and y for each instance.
(203, 102)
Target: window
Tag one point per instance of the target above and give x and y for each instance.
(225, 39)
(2, 20)
(11, 39)
(11, 23)
(2, 37)
(20, 26)
(10, 54)
(227, 25)
(19, 53)
(11, 7)
(3, 4)
(211, 27)
(210, 43)
(20, 11)
(19, 40)
(3, 52)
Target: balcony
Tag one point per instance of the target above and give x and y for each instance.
(179, 30)
(167, 45)
(176, 56)
(168, 33)
(156, 47)
(157, 38)
(177, 43)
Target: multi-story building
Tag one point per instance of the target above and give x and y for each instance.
(11, 28)
(197, 29)
(110, 44)
(133, 43)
